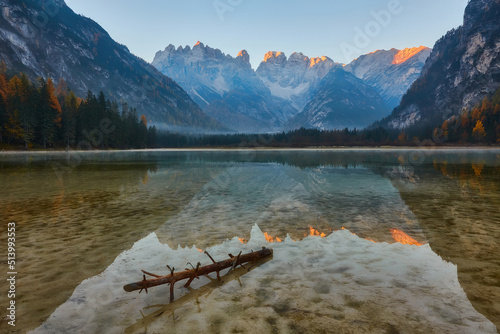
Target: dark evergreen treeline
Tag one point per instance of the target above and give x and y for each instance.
(481, 125)
(43, 115)
(296, 138)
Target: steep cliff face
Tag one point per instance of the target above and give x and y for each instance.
(206, 73)
(342, 101)
(390, 72)
(227, 88)
(294, 79)
(46, 38)
(462, 69)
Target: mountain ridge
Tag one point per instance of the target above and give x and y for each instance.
(390, 72)
(46, 38)
(342, 101)
(225, 87)
(284, 85)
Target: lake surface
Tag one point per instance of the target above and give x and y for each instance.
(411, 240)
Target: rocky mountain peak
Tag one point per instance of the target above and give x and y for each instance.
(294, 79)
(169, 48)
(208, 74)
(390, 72)
(298, 57)
(276, 57)
(318, 60)
(408, 53)
(243, 54)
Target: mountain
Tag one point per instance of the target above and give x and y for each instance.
(463, 68)
(390, 72)
(226, 88)
(45, 38)
(267, 99)
(206, 74)
(342, 101)
(242, 99)
(295, 79)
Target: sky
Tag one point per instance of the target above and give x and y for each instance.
(340, 29)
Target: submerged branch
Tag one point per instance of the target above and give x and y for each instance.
(191, 274)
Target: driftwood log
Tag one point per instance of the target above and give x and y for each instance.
(191, 274)
(194, 295)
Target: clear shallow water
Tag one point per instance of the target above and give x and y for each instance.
(76, 217)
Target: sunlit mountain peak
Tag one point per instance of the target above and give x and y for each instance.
(272, 54)
(405, 54)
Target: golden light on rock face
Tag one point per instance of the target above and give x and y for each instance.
(405, 54)
(271, 54)
(317, 60)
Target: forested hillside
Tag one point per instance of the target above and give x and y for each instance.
(45, 115)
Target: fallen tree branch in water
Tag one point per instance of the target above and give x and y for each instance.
(194, 295)
(191, 274)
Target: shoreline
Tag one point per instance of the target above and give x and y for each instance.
(264, 149)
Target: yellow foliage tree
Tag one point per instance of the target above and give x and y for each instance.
(144, 121)
(445, 128)
(402, 138)
(478, 131)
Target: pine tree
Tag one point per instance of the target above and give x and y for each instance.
(3, 115)
(86, 116)
(21, 117)
(143, 132)
(101, 114)
(68, 118)
(13, 127)
(49, 112)
(152, 137)
(115, 137)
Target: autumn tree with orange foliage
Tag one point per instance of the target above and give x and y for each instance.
(478, 131)
(402, 138)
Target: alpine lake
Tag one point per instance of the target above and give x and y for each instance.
(364, 240)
